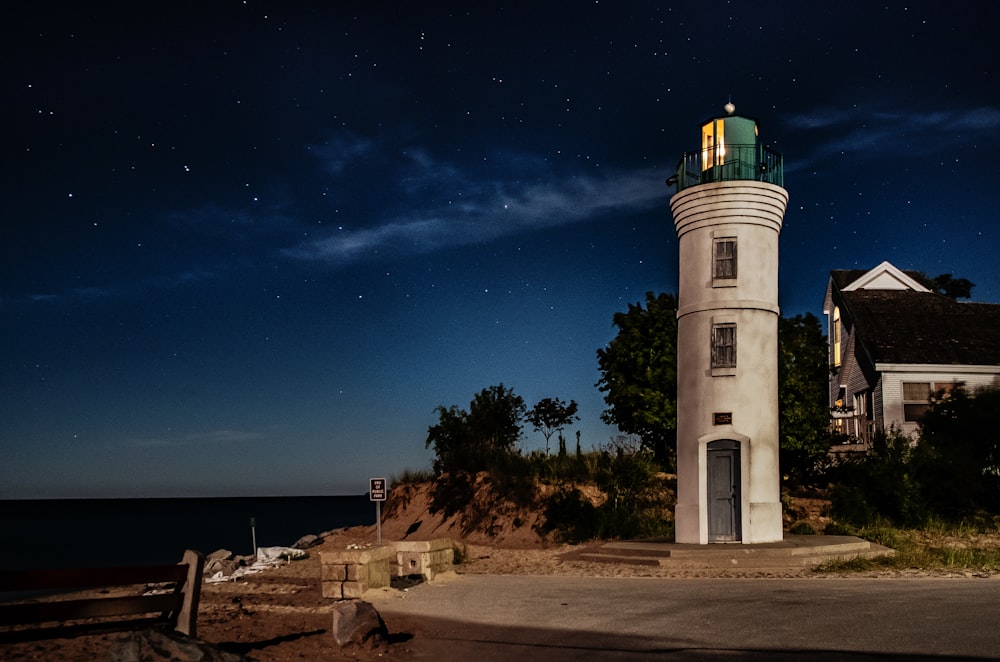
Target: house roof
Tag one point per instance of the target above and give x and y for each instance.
(903, 326)
(842, 278)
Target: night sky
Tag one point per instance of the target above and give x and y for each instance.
(248, 247)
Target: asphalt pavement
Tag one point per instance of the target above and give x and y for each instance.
(525, 618)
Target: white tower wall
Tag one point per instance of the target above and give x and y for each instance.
(736, 404)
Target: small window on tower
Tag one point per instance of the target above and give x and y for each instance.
(724, 257)
(724, 345)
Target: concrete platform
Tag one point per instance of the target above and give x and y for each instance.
(791, 552)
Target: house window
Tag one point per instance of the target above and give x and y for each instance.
(835, 332)
(724, 256)
(916, 400)
(917, 397)
(724, 345)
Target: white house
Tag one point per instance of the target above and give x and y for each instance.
(894, 343)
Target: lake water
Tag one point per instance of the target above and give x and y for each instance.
(111, 532)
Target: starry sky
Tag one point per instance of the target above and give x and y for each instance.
(248, 247)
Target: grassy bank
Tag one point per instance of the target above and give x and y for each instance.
(964, 548)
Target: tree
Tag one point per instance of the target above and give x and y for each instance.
(948, 285)
(550, 415)
(639, 375)
(803, 410)
(957, 459)
(479, 439)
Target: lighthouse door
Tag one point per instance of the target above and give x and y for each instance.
(724, 491)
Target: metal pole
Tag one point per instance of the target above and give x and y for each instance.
(253, 534)
(378, 521)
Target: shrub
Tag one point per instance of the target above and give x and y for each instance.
(879, 483)
(802, 529)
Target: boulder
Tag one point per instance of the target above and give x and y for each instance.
(358, 623)
(218, 555)
(160, 645)
(307, 541)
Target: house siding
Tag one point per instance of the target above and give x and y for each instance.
(893, 390)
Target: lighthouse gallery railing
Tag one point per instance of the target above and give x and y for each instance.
(733, 163)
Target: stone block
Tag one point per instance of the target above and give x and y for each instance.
(424, 557)
(346, 556)
(333, 573)
(333, 590)
(358, 572)
(353, 590)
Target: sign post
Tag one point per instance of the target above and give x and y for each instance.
(377, 490)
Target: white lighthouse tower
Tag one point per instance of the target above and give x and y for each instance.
(728, 211)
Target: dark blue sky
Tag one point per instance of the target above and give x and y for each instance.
(248, 247)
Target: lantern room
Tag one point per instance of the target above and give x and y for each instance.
(730, 151)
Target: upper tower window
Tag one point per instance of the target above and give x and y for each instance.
(724, 258)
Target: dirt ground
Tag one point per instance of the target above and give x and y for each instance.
(279, 615)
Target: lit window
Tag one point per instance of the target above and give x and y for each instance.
(724, 346)
(713, 144)
(724, 258)
(836, 337)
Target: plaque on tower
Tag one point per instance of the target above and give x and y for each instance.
(722, 418)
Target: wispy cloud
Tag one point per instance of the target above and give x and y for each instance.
(211, 437)
(482, 207)
(872, 135)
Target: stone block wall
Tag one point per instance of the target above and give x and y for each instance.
(347, 574)
(428, 558)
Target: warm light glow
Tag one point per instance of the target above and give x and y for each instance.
(713, 144)
(836, 336)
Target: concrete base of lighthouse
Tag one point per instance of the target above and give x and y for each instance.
(728, 481)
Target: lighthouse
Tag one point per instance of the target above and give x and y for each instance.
(728, 211)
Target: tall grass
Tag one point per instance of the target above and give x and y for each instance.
(963, 547)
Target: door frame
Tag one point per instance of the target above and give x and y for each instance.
(732, 448)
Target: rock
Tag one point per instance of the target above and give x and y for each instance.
(158, 645)
(218, 555)
(307, 541)
(225, 566)
(358, 623)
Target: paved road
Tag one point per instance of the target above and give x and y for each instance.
(485, 618)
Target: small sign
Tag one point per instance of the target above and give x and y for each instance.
(377, 489)
(722, 418)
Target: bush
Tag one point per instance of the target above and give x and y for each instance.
(572, 515)
(879, 483)
(802, 529)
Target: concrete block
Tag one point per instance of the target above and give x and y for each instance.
(333, 590)
(346, 556)
(357, 572)
(354, 590)
(333, 573)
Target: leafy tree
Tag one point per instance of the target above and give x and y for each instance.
(948, 285)
(639, 375)
(957, 459)
(803, 412)
(484, 438)
(480, 439)
(550, 415)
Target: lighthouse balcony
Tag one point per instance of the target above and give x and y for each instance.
(729, 164)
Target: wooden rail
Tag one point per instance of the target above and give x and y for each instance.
(175, 605)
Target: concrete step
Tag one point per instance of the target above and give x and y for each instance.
(792, 552)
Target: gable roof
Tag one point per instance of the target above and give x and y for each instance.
(887, 277)
(910, 327)
(883, 277)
